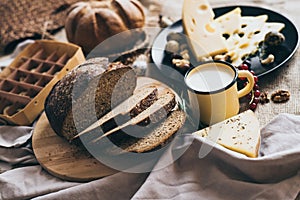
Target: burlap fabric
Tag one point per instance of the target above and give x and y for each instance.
(22, 19)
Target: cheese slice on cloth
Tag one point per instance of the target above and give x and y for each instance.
(203, 32)
(240, 133)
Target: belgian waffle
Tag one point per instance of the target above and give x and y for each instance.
(25, 83)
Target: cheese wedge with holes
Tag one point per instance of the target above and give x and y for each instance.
(206, 34)
(230, 22)
(240, 133)
(203, 32)
(244, 41)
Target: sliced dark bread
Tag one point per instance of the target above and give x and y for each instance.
(86, 94)
(135, 104)
(156, 112)
(160, 134)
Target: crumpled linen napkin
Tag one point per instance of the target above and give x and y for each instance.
(221, 174)
(281, 134)
(15, 147)
(224, 174)
(14, 136)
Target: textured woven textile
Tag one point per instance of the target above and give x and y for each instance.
(22, 19)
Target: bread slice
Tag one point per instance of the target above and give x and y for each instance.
(131, 107)
(160, 135)
(156, 112)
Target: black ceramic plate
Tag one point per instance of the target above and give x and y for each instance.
(282, 55)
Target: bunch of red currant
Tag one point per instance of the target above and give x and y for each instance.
(254, 95)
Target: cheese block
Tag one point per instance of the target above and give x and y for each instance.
(203, 32)
(240, 133)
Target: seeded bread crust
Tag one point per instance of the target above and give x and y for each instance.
(87, 93)
(58, 102)
(160, 134)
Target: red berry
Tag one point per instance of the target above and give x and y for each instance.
(255, 100)
(256, 93)
(247, 62)
(256, 87)
(253, 106)
(243, 66)
(255, 79)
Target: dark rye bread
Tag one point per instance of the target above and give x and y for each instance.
(135, 104)
(87, 93)
(159, 135)
(153, 114)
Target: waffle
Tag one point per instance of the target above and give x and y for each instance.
(25, 84)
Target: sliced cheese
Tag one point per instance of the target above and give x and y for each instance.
(240, 133)
(252, 31)
(230, 22)
(243, 33)
(203, 32)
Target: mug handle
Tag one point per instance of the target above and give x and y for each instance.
(248, 88)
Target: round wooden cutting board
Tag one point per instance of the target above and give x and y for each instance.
(68, 161)
(62, 159)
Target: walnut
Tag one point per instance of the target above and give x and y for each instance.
(263, 98)
(274, 38)
(172, 46)
(280, 96)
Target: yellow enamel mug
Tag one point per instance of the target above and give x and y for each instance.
(215, 85)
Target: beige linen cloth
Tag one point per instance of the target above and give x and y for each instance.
(221, 174)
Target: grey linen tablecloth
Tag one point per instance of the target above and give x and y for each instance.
(221, 174)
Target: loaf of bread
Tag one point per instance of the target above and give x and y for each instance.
(99, 100)
(90, 23)
(87, 93)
